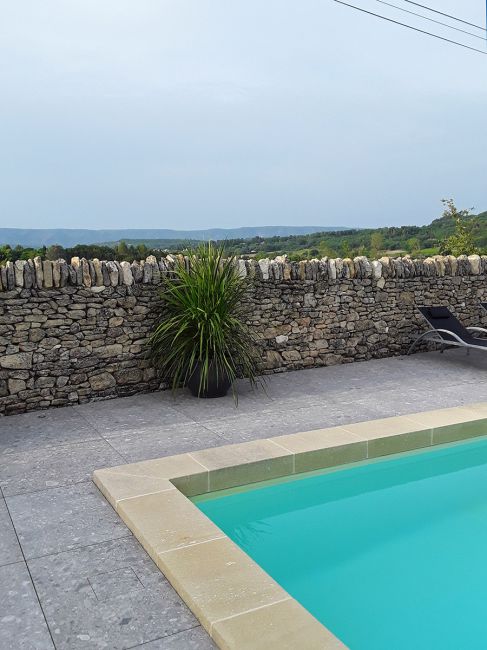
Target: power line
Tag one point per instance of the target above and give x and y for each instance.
(465, 22)
(415, 29)
(431, 20)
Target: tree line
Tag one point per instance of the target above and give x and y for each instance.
(120, 252)
(456, 232)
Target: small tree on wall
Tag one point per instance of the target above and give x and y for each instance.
(462, 241)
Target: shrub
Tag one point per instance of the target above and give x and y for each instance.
(202, 322)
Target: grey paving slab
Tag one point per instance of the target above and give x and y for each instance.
(281, 421)
(194, 639)
(63, 518)
(117, 582)
(311, 386)
(206, 409)
(154, 442)
(22, 623)
(109, 595)
(43, 429)
(322, 401)
(112, 417)
(414, 399)
(38, 469)
(453, 366)
(9, 546)
(99, 565)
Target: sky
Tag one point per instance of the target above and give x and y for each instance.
(226, 113)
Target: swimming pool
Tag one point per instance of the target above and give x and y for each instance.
(389, 554)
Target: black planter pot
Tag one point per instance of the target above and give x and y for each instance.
(217, 387)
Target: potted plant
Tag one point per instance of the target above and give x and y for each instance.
(201, 340)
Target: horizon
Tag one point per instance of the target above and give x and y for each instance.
(201, 113)
(181, 229)
(318, 228)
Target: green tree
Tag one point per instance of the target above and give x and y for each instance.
(462, 241)
(55, 252)
(30, 253)
(376, 244)
(327, 251)
(346, 249)
(5, 253)
(122, 250)
(142, 251)
(413, 245)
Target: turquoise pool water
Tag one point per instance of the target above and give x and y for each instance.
(388, 555)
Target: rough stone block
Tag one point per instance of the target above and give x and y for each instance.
(102, 381)
(110, 350)
(16, 385)
(16, 361)
(129, 376)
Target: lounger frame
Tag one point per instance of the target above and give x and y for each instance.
(434, 336)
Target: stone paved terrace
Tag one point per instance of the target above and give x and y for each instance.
(72, 576)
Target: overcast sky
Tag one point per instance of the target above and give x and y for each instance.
(199, 113)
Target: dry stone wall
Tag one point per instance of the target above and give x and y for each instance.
(74, 332)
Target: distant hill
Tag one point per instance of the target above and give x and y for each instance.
(36, 237)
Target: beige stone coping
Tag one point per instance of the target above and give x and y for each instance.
(237, 602)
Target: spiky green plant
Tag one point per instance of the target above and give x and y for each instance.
(202, 322)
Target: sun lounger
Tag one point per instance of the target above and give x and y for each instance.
(447, 330)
